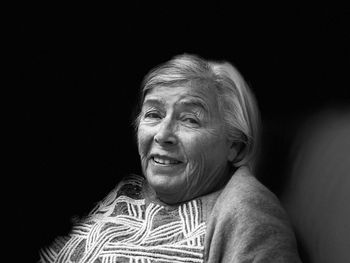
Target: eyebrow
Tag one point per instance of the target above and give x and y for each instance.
(153, 102)
(187, 102)
(195, 102)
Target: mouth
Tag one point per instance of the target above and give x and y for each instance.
(165, 160)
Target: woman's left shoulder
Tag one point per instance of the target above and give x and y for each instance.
(245, 193)
(249, 220)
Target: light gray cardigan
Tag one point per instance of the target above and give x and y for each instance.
(246, 223)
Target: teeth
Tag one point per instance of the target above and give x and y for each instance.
(164, 161)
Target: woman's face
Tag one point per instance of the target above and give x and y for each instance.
(182, 143)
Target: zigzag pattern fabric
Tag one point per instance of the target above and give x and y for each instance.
(123, 229)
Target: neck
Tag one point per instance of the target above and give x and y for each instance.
(170, 199)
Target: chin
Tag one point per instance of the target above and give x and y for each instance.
(166, 184)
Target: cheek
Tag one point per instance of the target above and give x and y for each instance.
(196, 149)
(199, 147)
(196, 153)
(204, 153)
(144, 140)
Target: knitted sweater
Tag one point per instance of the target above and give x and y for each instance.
(243, 222)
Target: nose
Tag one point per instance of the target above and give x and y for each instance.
(166, 135)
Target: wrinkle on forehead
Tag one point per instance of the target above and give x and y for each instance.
(199, 93)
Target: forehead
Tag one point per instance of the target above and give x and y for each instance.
(184, 94)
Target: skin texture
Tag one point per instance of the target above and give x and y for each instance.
(183, 125)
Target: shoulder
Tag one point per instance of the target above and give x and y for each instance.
(245, 183)
(246, 195)
(130, 185)
(128, 189)
(248, 219)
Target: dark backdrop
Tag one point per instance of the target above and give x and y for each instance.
(79, 70)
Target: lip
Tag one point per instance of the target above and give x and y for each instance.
(170, 160)
(165, 169)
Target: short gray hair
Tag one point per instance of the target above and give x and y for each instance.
(236, 101)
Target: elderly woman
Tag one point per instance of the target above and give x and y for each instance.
(197, 200)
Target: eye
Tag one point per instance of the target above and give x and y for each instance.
(152, 115)
(190, 120)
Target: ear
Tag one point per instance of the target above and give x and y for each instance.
(233, 151)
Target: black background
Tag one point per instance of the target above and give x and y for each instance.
(78, 71)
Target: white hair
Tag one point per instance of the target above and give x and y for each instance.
(236, 101)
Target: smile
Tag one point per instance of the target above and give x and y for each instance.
(163, 160)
